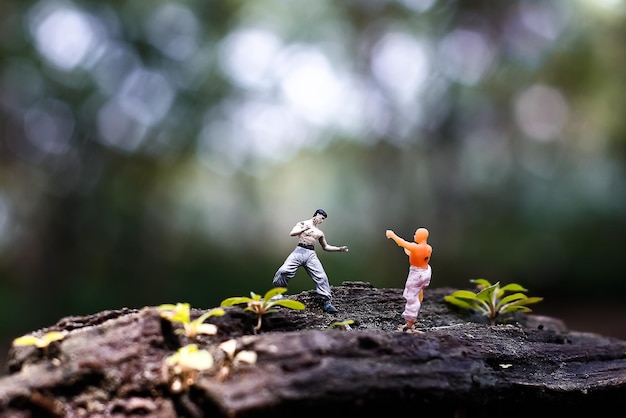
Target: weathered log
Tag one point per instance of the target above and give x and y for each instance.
(113, 364)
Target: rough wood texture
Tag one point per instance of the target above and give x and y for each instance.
(112, 364)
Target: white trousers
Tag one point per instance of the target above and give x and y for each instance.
(417, 280)
(302, 257)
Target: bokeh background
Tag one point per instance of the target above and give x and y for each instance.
(158, 151)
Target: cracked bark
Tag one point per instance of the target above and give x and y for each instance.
(112, 364)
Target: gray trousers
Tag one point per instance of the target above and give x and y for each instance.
(301, 257)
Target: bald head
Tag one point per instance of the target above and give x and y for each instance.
(421, 235)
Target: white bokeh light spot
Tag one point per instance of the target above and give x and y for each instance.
(248, 55)
(466, 56)
(541, 112)
(63, 36)
(401, 64)
(174, 29)
(311, 86)
(146, 96)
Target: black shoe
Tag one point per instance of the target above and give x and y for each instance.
(328, 307)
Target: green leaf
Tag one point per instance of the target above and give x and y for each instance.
(235, 301)
(513, 287)
(527, 301)
(533, 299)
(212, 312)
(481, 283)
(510, 298)
(486, 295)
(175, 313)
(291, 304)
(40, 342)
(26, 340)
(217, 312)
(484, 300)
(273, 292)
(345, 324)
(516, 305)
(518, 309)
(464, 294)
(459, 302)
(190, 357)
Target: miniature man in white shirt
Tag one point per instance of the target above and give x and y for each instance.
(304, 256)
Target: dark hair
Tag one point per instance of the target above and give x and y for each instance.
(321, 212)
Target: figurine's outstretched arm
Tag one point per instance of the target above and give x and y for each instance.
(390, 234)
(299, 228)
(401, 242)
(331, 248)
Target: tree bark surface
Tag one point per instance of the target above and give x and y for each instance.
(113, 364)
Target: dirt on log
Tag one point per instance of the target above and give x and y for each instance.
(113, 364)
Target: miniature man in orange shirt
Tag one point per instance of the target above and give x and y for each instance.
(419, 273)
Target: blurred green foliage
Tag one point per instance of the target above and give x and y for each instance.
(160, 151)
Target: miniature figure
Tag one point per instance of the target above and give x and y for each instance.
(304, 256)
(419, 253)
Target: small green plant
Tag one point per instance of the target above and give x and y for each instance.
(183, 366)
(263, 305)
(490, 299)
(40, 342)
(233, 358)
(181, 313)
(343, 325)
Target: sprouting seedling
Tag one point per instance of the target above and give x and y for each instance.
(263, 305)
(181, 313)
(175, 313)
(233, 358)
(343, 325)
(40, 342)
(183, 366)
(490, 299)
